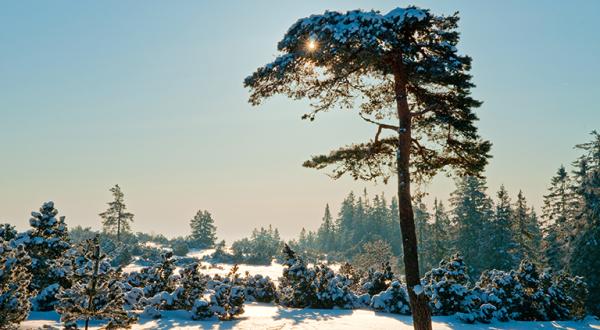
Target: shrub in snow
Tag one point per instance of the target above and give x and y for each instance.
(331, 290)
(259, 288)
(352, 275)
(133, 297)
(393, 300)
(192, 284)
(201, 310)
(296, 285)
(96, 291)
(151, 312)
(377, 281)
(14, 283)
(503, 290)
(533, 305)
(565, 296)
(227, 301)
(446, 287)
(159, 277)
(45, 243)
(484, 314)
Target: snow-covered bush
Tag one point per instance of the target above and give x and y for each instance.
(503, 290)
(227, 301)
(332, 290)
(377, 281)
(352, 274)
(14, 283)
(96, 291)
(259, 288)
(159, 277)
(295, 286)
(533, 306)
(201, 310)
(7, 232)
(393, 300)
(192, 284)
(446, 287)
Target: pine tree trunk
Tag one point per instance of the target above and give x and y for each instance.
(419, 303)
(93, 283)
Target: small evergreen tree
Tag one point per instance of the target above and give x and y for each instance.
(14, 284)
(203, 230)
(440, 244)
(7, 232)
(116, 219)
(46, 243)
(96, 293)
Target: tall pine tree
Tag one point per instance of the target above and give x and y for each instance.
(501, 230)
(116, 219)
(403, 65)
(326, 233)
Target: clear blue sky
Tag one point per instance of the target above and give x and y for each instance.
(149, 95)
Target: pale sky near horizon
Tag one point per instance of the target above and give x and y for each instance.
(149, 95)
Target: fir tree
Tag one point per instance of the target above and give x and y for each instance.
(326, 234)
(526, 230)
(558, 214)
(345, 223)
(336, 59)
(501, 231)
(46, 243)
(440, 242)
(585, 257)
(116, 219)
(96, 293)
(203, 230)
(472, 214)
(422, 226)
(14, 284)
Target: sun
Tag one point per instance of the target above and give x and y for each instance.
(311, 45)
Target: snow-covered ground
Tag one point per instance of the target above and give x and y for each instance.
(268, 316)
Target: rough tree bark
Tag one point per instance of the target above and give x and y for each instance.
(418, 302)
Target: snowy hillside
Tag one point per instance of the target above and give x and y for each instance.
(268, 316)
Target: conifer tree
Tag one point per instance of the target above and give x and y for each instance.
(472, 210)
(116, 219)
(46, 243)
(422, 226)
(14, 284)
(7, 232)
(345, 223)
(526, 230)
(402, 65)
(204, 232)
(440, 245)
(558, 216)
(585, 257)
(501, 230)
(96, 293)
(326, 233)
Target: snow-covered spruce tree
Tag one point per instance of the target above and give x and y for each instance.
(96, 291)
(441, 242)
(446, 286)
(227, 299)
(259, 288)
(585, 257)
(558, 215)
(46, 243)
(14, 284)
(116, 219)
(403, 65)
(423, 229)
(203, 230)
(353, 275)
(295, 286)
(393, 300)
(378, 280)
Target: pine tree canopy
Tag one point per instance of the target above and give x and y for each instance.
(116, 219)
(339, 59)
